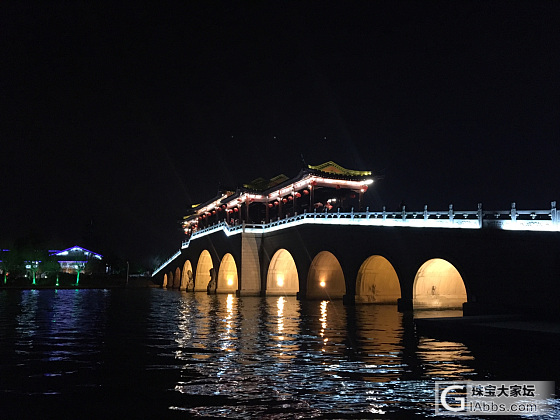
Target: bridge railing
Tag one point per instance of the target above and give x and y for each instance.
(506, 219)
(512, 219)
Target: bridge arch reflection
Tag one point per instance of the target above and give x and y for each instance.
(438, 284)
(325, 279)
(282, 277)
(377, 282)
(203, 267)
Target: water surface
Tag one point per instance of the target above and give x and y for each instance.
(154, 353)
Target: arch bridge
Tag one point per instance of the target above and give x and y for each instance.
(310, 236)
(483, 261)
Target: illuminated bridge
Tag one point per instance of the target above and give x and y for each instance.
(308, 236)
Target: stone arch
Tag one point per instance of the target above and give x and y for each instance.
(170, 280)
(438, 285)
(282, 277)
(177, 278)
(203, 267)
(377, 281)
(325, 279)
(164, 281)
(185, 277)
(227, 275)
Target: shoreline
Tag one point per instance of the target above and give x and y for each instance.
(504, 329)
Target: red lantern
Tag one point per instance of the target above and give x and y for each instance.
(284, 201)
(224, 206)
(364, 188)
(270, 205)
(305, 192)
(213, 211)
(236, 209)
(313, 183)
(276, 203)
(298, 195)
(290, 198)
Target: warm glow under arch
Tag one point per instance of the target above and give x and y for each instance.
(185, 277)
(325, 279)
(438, 284)
(282, 277)
(377, 282)
(203, 271)
(227, 275)
(177, 278)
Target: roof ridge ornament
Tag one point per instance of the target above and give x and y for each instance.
(335, 168)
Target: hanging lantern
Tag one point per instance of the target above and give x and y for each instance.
(223, 206)
(305, 192)
(364, 188)
(290, 198)
(298, 195)
(213, 211)
(284, 201)
(270, 205)
(276, 203)
(236, 209)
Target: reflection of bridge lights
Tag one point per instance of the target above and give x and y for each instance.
(229, 303)
(323, 320)
(280, 280)
(280, 305)
(227, 337)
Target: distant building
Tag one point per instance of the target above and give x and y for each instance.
(326, 187)
(70, 259)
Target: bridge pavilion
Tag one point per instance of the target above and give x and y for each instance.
(327, 186)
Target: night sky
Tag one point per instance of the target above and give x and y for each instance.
(116, 118)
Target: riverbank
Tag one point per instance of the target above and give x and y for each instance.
(112, 283)
(504, 329)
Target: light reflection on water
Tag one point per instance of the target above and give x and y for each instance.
(181, 355)
(269, 356)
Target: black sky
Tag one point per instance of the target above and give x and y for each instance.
(117, 117)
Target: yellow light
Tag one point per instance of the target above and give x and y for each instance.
(280, 281)
(322, 284)
(230, 281)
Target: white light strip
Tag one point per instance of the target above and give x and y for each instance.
(166, 262)
(533, 225)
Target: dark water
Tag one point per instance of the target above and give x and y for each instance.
(152, 353)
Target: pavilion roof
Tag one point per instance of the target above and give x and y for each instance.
(264, 187)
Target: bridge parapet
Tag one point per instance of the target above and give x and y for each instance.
(513, 219)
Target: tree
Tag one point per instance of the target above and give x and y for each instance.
(49, 265)
(11, 263)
